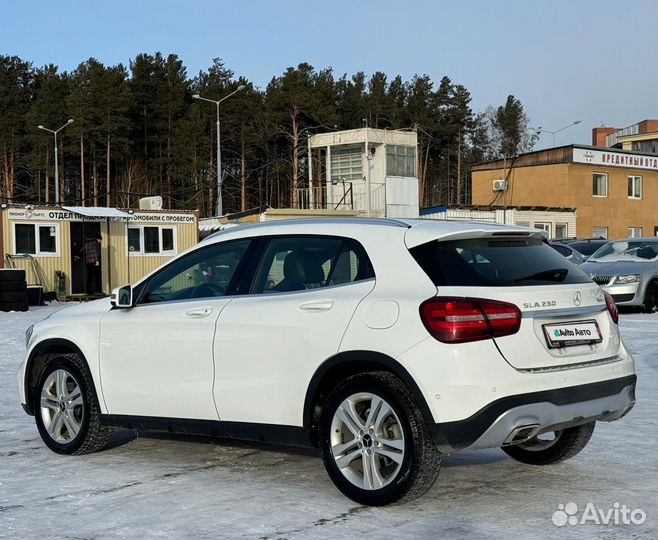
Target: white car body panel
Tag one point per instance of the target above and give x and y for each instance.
(268, 346)
(157, 361)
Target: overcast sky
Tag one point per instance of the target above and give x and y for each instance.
(589, 60)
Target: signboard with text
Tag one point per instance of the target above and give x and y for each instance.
(41, 214)
(610, 158)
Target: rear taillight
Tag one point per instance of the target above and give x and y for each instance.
(458, 320)
(612, 307)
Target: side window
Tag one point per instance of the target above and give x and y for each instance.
(310, 262)
(204, 273)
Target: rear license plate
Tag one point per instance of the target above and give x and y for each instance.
(572, 333)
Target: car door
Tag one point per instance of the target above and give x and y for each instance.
(156, 358)
(270, 342)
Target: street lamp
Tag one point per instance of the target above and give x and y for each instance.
(55, 132)
(558, 130)
(219, 145)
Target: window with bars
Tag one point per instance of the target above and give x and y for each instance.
(400, 161)
(346, 163)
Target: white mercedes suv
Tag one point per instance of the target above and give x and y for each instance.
(385, 343)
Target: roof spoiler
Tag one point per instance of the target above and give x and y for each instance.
(422, 234)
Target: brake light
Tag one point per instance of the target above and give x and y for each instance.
(459, 320)
(612, 307)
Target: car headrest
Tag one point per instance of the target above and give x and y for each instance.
(302, 269)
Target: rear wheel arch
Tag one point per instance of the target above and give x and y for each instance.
(348, 363)
(38, 359)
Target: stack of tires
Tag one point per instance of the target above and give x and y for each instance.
(13, 290)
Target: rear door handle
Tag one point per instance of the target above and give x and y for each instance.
(319, 305)
(198, 313)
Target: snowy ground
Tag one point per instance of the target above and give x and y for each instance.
(160, 486)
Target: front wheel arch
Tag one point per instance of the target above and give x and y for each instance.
(345, 364)
(37, 360)
(652, 283)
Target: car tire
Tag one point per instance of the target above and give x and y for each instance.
(16, 285)
(14, 306)
(13, 297)
(66, 408)
(382, 458)
(565, 444)
(650, 304)
(12, 274)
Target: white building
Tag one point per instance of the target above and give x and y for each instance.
(557, 222)
(372, 171)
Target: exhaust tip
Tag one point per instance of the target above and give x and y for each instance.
(521, 434)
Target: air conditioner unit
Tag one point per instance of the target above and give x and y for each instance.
(150, 203)
(499, 185)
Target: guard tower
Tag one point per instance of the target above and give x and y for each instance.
(369, 170)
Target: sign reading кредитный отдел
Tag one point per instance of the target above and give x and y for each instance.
(63, 215)
(610, 158)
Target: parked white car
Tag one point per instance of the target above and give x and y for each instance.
(386, 343)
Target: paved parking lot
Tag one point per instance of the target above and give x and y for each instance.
(165, 486)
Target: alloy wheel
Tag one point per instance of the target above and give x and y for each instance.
(367, 441)
(62, 406)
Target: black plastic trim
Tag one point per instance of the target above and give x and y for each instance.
(368, 357)
(244, 431)
(41, 347)
(453, 436)
(623, 297)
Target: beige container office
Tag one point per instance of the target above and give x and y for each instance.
(130, 246)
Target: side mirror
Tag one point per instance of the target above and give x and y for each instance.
(122, 297)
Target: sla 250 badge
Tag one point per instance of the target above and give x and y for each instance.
(542, 304)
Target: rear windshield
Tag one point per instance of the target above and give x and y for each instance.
(587, 248)
(495, 262)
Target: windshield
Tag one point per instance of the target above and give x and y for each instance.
(627, 250)
(495, 262)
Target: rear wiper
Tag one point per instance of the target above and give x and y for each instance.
(554, 274)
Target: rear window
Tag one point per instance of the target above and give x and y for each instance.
(497, 262)
(587, 248)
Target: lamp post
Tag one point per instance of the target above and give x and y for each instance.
(558, 130)
(220, 209)
(55, 132)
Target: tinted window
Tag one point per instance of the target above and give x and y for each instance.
(495, 262)
(204, 273)
(587, 248)
(167, 239)
(310, 262)
(151, 240)
(565, 252)
(25, 241)
(47, 243)
(134, 243)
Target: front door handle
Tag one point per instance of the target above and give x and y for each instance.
(198, 313)
(318, 305)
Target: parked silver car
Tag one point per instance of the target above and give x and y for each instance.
(628, 270)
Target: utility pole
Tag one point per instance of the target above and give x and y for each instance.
(220, 208)
(368, 200)
(55, 132)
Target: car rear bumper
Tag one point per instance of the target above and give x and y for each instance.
(512, 418)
